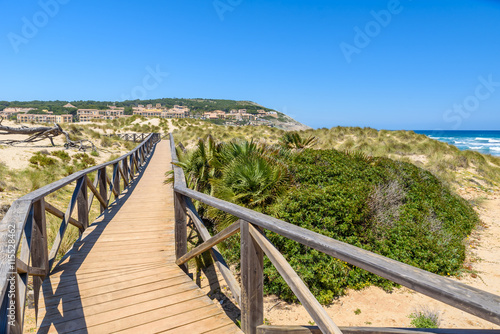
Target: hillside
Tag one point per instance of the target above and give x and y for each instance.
(197, 108)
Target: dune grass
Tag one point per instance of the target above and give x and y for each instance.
(455, 167)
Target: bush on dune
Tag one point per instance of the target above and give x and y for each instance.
(391, 208)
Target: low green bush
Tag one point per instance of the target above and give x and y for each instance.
(42, 160)
(391, 208)
(425, 319)
(63, 155)
(334, 197)
(83, 161)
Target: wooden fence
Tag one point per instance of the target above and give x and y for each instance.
(135, 137)
(23, 230)
(254, 245)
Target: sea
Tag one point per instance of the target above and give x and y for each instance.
(483, 141)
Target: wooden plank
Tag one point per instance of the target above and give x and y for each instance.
(73, 309)
(103, 189)
(221, 236)
(252, 284)
(469, 299)
(122, 274)
(310, 303)
(59, 214)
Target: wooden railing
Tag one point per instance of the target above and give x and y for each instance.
(254, 245)
(23, 230)
(135, 137)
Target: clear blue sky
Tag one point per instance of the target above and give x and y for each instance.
(325, 63)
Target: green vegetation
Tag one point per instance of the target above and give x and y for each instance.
(448, 163)
(424, 318)
(389, 207)
(196, 105)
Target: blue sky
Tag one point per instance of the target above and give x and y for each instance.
(384, 64)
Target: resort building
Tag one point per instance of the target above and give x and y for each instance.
(44, 118)
(175, 112)
(87, 115)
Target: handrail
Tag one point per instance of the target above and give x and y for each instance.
(129, 136)
(472, 300)
(23, 231)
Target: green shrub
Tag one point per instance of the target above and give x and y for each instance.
(42, 160)
(425, 226)
(63, 155)
(425, 319)
(392, 208)
(83, 161)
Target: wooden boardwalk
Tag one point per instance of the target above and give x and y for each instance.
(122, 277)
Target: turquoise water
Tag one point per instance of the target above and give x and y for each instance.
(485, 141)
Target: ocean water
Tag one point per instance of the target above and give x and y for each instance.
(485, 141)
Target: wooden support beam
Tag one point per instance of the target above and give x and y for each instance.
(95, 192)
(252, 284)
(126, 171)
(221, 236)
(59, 214)
(221, 264)
(116, 180)
(180, 227)
(23, 268)
(103, 190)
(310, 303)
(83, 207)
(125, 181)
(64, 223)
(39, 250)
(112, 189)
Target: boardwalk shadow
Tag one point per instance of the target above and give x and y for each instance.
(217, 293)
(63, 306)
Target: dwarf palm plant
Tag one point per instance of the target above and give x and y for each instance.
(295, 141)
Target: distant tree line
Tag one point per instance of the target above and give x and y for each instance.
(196, 106)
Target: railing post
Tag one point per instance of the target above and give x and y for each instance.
(125, 169)
(252, 284)
(180, 227)
(103, 189)
(22, 278)
(83, 206)
(39, 250)
(116, 179)
(131, 162)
